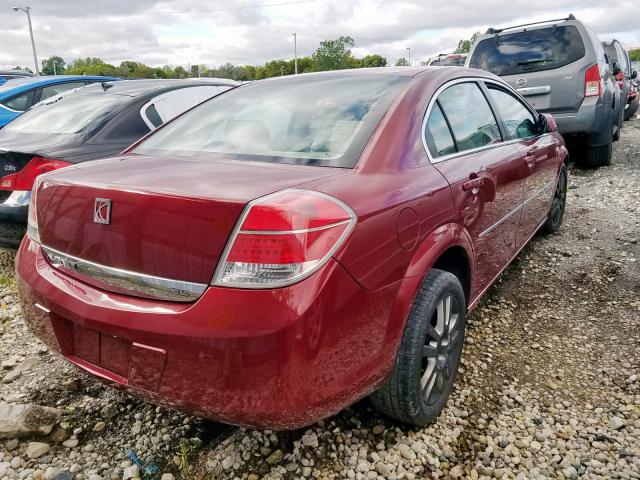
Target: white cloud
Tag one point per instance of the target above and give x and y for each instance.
(145, 31)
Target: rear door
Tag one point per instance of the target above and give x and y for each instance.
(539, 153)
(546, 65)
(485, 174)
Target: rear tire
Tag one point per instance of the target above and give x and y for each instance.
(556, 211)
(599, 156)
(429, 355)
(633, 107)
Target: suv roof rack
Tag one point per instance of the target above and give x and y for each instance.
(493, 31)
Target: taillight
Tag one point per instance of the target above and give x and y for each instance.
(32, 218)
(23, 180)
(592, 84)
(282, 238)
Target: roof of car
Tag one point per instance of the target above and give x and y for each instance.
(17, 85)
(134, 88)
(22, 73)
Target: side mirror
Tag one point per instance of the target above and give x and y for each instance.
(634, 74)
(546, 124)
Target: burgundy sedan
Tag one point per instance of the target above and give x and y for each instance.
(295, 244)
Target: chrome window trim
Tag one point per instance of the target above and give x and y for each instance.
(456, 81)
(124, 281)
(516, 210)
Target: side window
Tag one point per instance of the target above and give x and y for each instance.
(622, 59)
(470, 117)
(20, 102)
(517, 118)
(438, 134)
(169, 105)
(52, 90)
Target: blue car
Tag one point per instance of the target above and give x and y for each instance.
(17, 95)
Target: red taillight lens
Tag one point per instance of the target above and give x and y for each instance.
(283, 238)
(592, 83)
(23, 180)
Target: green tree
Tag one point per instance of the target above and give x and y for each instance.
(53, 66)
(634, 55)
(374, 60)
(464, 46)
(402, 62)
(180, 72)
(85, 62)
(334, 54)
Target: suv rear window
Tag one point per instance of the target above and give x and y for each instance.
(529, 51)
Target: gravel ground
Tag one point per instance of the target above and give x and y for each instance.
(549, 384)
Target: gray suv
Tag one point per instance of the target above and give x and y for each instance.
(560, 67)
(625, 76)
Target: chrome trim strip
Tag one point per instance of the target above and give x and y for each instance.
(515, 210)
(124, 281)
(286, 232)
(432, 101)
(529, 91)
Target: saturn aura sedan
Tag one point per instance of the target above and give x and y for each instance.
(294, 245)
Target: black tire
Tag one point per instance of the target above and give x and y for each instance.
(427, 345)
(556, 211)
(632, 109)
(599, 156)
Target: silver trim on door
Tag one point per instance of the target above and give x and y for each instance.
(124, 281)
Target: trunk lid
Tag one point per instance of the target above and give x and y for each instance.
(169, 218)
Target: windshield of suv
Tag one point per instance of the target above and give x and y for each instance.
(312, 120)
(67, 113)
(529, 51)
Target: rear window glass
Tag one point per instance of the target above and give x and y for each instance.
(316, 120)
(70, 114)
(529, 51)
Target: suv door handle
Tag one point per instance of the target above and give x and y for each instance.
(530, 160)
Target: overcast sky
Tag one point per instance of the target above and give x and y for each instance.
(214, 32)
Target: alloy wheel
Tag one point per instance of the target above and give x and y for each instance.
(559, 198)
(441, 351)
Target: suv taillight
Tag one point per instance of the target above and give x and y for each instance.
(24, 179)
(282, 238)
(592, 83)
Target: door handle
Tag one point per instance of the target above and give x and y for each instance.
(530, 160)
(474, 182)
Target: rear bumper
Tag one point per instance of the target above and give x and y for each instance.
(590, 120)
(13, 218)
(281, 358)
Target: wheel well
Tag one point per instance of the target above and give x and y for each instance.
(455, 260)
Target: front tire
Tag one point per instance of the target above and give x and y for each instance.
(429, 355)
(556, 211)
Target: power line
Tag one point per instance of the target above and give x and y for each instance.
(240, 8)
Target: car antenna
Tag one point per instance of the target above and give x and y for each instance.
(106, 85)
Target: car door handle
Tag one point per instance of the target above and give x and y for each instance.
(530, 160)
(473, 183)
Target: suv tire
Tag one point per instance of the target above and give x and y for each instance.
(599, 156)
(429, 355)
(556, 211)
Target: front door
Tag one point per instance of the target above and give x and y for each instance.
(485, 174)
(539, 153)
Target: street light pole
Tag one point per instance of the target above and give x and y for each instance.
(27, 10)
(409, 59)
(295, 52)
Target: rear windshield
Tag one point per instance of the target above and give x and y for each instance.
(311, 120)
(68, 114)
(529, 51)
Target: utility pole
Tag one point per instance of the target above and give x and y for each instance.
(409, 59)
(295, 52)
(27, 10)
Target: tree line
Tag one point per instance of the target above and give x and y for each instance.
(330, 55)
